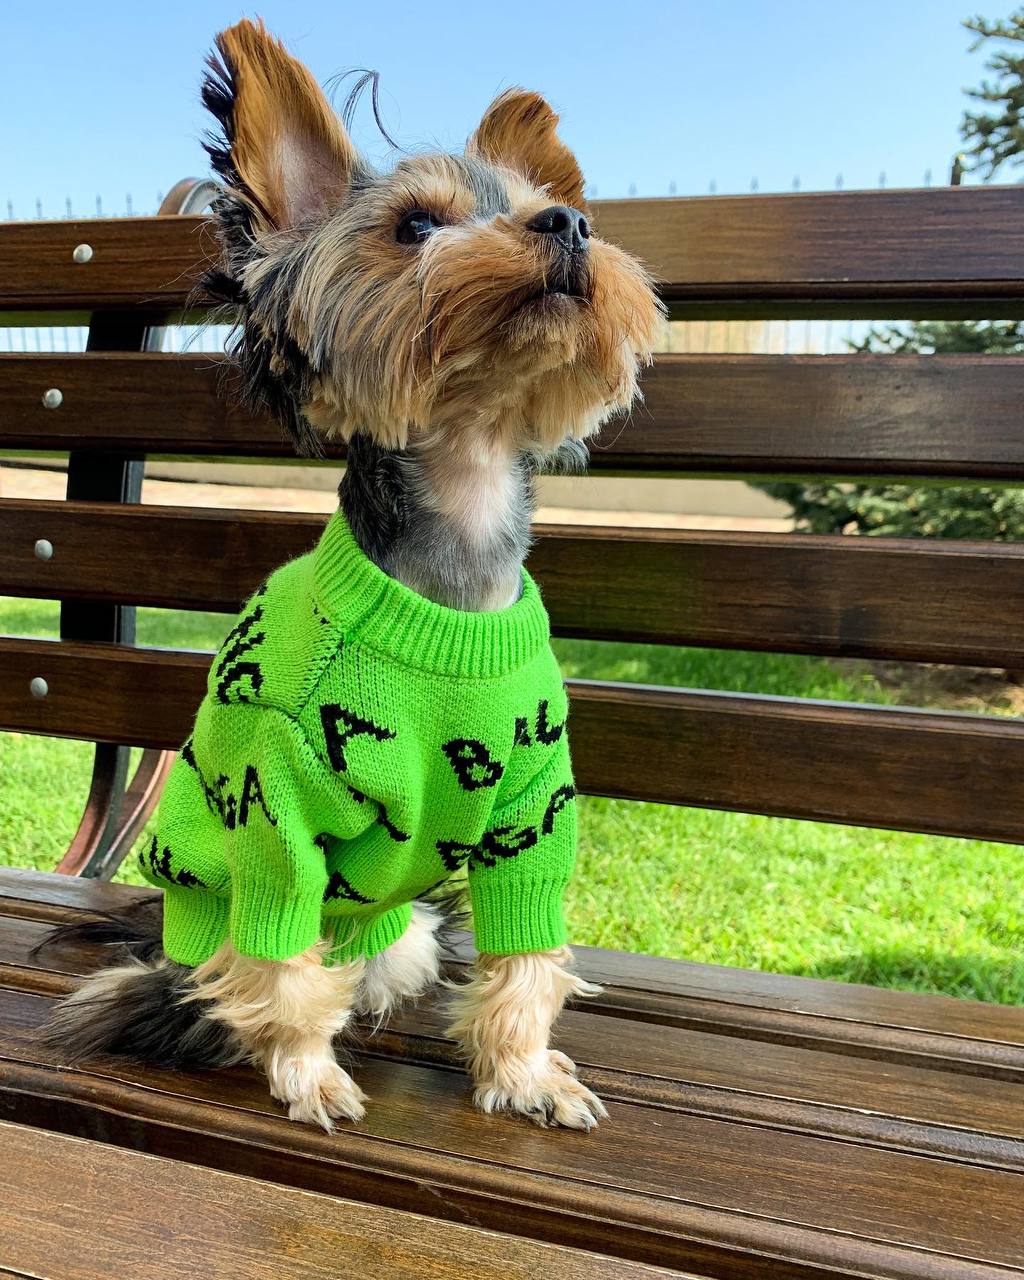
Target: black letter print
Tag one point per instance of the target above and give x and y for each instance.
(337, 885)
(555, 805)
(330, 716)
(213, 795)
(453, 854)
(252, 793)
(547, 733)
(382, 816)
(160, 866)
(472, 763)
(522, 738)
(492, 846)
(230, 670)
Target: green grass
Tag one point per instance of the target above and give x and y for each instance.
(918, 912)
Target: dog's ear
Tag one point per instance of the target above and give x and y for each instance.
(519, 130)
(284, 156)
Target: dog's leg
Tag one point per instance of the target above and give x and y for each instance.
(406, 969)
(502, 1019)
(286, 1013)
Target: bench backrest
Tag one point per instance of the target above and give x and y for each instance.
(937, 253)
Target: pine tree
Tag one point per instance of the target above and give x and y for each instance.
(996, 137)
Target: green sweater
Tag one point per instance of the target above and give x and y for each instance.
(356, 746)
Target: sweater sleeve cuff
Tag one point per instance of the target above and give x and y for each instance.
(272, 926)
(512, 916)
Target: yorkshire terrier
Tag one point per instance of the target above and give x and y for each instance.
(387, 711)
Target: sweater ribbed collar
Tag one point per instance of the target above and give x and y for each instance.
(387, 616)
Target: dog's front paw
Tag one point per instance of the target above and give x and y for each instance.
(543, 1088)
(314, 1089)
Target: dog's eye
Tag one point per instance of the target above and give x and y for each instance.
(415, 227)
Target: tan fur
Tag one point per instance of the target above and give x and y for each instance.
(290, 149)
(108, 984)
(286, 1013)
(449, 336)
(456, 339)
(502, 1021)
(518, 130)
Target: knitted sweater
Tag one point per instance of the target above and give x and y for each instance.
(356, 746)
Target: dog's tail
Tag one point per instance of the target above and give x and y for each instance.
(139, 1008)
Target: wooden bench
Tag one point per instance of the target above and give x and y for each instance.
(761, 1125)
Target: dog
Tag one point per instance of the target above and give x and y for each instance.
(387, 712)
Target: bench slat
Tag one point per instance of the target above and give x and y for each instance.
(947, 774)
(827, 245)
(902, 1105)
(828, 415)
(653, 1184)
(915, 1029)
(228, 1225)
(152, 263)
(844, 597)
(959, 246)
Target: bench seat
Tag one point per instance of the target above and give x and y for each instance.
(760, 1126)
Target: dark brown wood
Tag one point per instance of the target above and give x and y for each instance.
(722, 1157)
(830, 415)
(852, 415)
(926, 601)
(925, 1030)
(150, 263)
(904, 246)
(948, 774)
(656, 1184)
(896, 1098)
(915, 771)
(223, 1225)
(958, 246)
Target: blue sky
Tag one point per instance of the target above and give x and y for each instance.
(102, 98)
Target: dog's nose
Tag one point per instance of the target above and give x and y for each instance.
(567, 225)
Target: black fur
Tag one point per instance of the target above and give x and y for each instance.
(274, 373)
(374, 494)
(146, 1016)
(218, 94)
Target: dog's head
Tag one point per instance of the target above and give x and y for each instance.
(455, 294)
